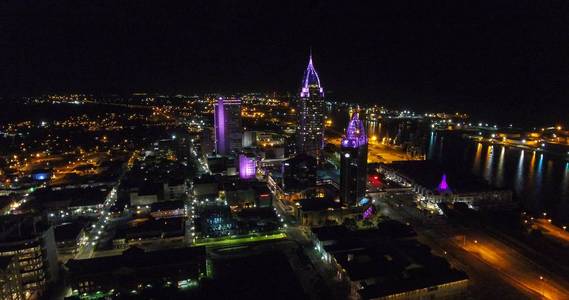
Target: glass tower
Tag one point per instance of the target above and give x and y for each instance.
(310, 131)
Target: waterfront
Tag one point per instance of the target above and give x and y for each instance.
(540, 181)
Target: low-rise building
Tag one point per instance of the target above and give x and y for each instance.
(436, 185)
(65, 203)
(168, 209)
(136, 269)
(175, 190)
(145, 232)
(67, 239)
(205, 187)
(377, 265)
(317, 212)
(145, 195)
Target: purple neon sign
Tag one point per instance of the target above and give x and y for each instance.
(355, 133)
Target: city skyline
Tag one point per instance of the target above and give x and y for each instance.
(297, 150)
(480, 58)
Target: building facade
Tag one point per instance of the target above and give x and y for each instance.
(353, 163)
(310, 130)
(133, 270)
(33, 243)
(10, 279)
(228, 129)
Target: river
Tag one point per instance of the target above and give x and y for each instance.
(540, 181)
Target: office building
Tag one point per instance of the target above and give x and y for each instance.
(247, 166)
(310, 130)
(133, 270)
(10, 279)
(353, 162)
(32, 241)
(228, 129)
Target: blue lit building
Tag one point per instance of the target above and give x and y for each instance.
(353, 163)
(310, 130)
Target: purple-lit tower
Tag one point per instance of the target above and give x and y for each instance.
(228, 130)
(353, 162)
(310, 131)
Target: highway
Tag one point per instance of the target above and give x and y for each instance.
(497, 270)
(512, 266)
(550, 230)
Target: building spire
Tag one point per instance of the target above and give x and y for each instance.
(310, 75)
(355, 133)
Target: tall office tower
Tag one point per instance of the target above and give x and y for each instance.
(228, 129)
(32, 241)
(310, 130)
(353, 165)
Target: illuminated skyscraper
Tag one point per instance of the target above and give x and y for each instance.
(353, 165)
(310, 131)
(247, 166)
(228, 130)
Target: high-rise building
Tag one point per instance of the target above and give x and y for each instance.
(353, 165)
(310, 130)
(228, 129)
(32, 241)
(10, 279)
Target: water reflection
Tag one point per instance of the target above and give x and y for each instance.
(536, 187)
(500, 171)
(432, 141)
(488, 163)
(519, 179)
(539, 180)
(477, 157)
(565, 183)
(531, 170)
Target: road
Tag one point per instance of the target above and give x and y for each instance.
(87, 248)
(377, 152)
(512, 266)
(550, 230)
(497, 269)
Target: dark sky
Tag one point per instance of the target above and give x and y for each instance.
(496, 59)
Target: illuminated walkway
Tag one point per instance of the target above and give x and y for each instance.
(240, 240)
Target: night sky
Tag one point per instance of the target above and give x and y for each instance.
(499, 60)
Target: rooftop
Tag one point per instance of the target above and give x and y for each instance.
(136, 258)
(67, 231)
(317, 204)
(429, 174)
